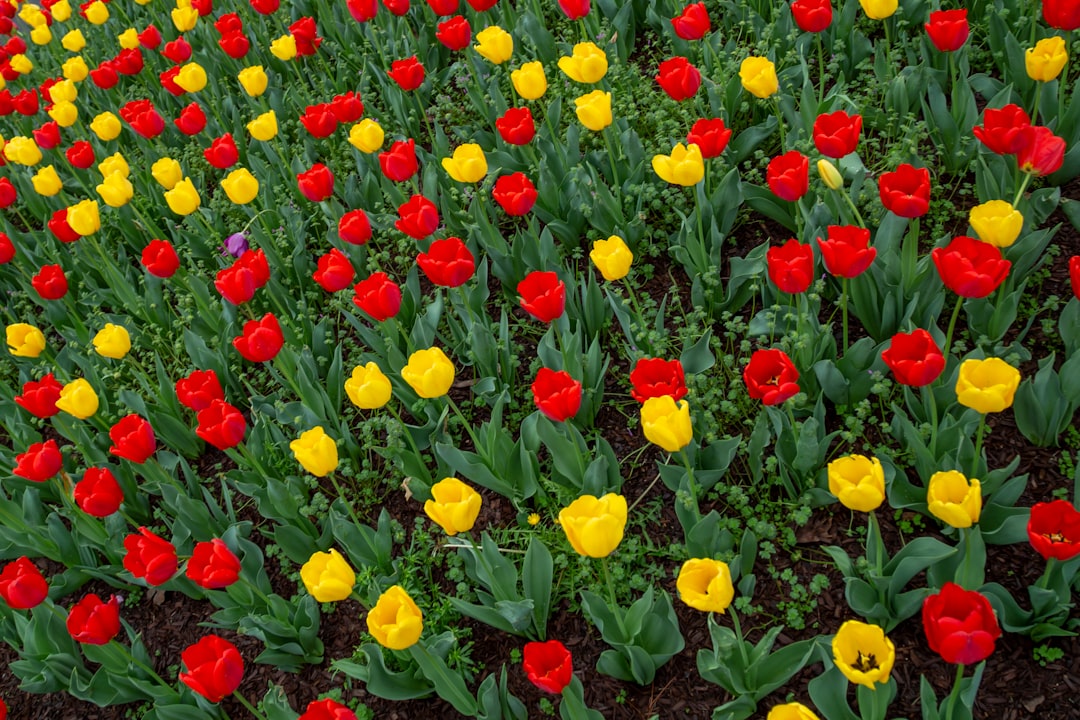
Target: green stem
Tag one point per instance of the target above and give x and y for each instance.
(955, 694)
(1038, 98)
(250, 708)
(844, 309)
(874, 536)
(978, 445)
(143, 666)
(412, 441)
(739, 637)
(690, 479)
(932, 403)
(341, 495)
(615, 609)
(1044, 580)
(611, 158)
(888, 50)
(779, 123)
(854, 209)
(821, 69)
(468, 427)
(952, 326)
(1020, 191)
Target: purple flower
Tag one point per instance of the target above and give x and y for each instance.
(236, 244)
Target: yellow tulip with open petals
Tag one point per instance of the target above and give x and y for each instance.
(863, 653)
(685, 166)
(494, 44)
(588, 63)
(368, 388)
(241, 186)
(24, 340)
(996, 222)
(454, 506)
(858, 482)
(595, 526)
(594, 110)
(705, 584)
(315, 451)
(987, 385)
(467, 165)
(396, 621)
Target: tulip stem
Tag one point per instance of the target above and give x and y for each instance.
(412, 441)
(615, 609)
(247, 704)
(821, 69)
(978, 445)
(1021, 189)
(611, 158)
(931, 402)
(955, 694)
(779, 123)
(141, 665)
(952, 326)
(477, 447)
(1044, 580)
(1035, 108)
(739, 637)
(254, 588)
(690, 480)
(843, 309)
(341, 495)
(854, 208)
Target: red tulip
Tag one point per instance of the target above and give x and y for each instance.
(960, 625)
(399, 162)
(556, 394)
(143, 118)
(265, 7)
(354, 227)
(316, 183)
(1054, 529)
(39, 397)
(306, 35)
(204, 7)
(1002, 128)
(1074, 275)
(482, 5)
(214, 666)
(678, 78)
(22, 585)
(98, 493)
(149, 557)
(397, 7)
(80, 154)
(362, 10)
(543, 295)
(128, 61)
(1040, 151)
(948, 29)
(334, 272)
(160, 259)
(238, 282)
(791, 266)
(178, 50)
(40, 462)
(914, 358)
(50, 282)
(48, 135)
(261, 340)
(221, 425)
(443, 8)
(407, 73)
(150, 38)
(222, 152)
(417, 217)
(970, 267)
(7, 249)
(1061, 14)
(548, 665)
(788, 175)
(378, 296)
(710, 135)
(574, 9)
(93, 621)
(347, 108)
(168, 81)
(656, 377)
(447, 263)
(133, 439)
(213, 565)
(319, 120)
(235, 44)
(199, 390)
(837, 134)
(26, 102)
(8, 193)
(454, 33)
(846, 251)
(191, 120)
(515, 194)
(693, 22)
(59, 227)
(906, 191)
(771, 377)
(325, 710)
(516, 126)
(812, 16)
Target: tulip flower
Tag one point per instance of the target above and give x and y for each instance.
(254, 80)
(515, 194)
(678, 78)
(84, 218)
(996, 222)
(758, 77)
(543, 295)
(112, 341)
(879, 9)
(954, 499)
(587, 64)
(22, 151)
(692, 23)
(418, 217)
(987, 386)
(98, 493)
(78, 399)
(594, 110)
(264, 127)
(47, 182)
(39, 397)
(685, 166)
(863, 653)
(261, 339)
(960, 625)
(1074, 275)
(788, 175)
(316, 183)
(315, 451)
(667, 423)
(529, 80)
(1039, 151)
(494, 44)
(455, 33)
(846, 251)
(548, 665)
(213, 565)
(970, 268)
(791, 266)
(214, 668)
(1045, 61)
(24, 340)
(191, 120)
(378, 296)
(40, 462)
(836, 134)
(1060, 14)
(366, 136)
(221, 425)
(948, 29)
(447, 263)
(454, 506)
(92, 621)
(656, 377)
(327, 709)
(429, 373)
(240, 186)
(284, 48)
(812, 16)
(354, 227)
(575, 9)
(594, 526)
(167, 172)
(710, 135)
(50, 282)
(183, 199)
(395, 622)
(408, 73)
(858, 482)
(133, 439)
(22, 585)
(334, 271)
(467, 165)
(705, 584)
(1002, 128)
(1054, 529)
(914, 358)
(222, 153)
(149, 557)
(327, 576)
(612, 257)
(771, 377)
(556, 394)
(906, 191)
(368, 388)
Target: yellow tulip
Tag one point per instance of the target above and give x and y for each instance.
(954, 499)
(264, 127)
(192, 77)
(64, 113)
(368, 388)
(612, 257)
(666, 423)
(684, 166)
(24, 340)
(996, 222)
(858, 482)
(78, 399)
(468, 164)
(830, 175)
(61, 11)
(22, 151)
(63, 91)
(588, 63)
(705, 584)
(494, 44)
(115, 163)
(21, 64)
(429, 373)
(84, 218)
(327, 576)
(241, 186)
(167, 172)
(253, 79)
(284, 48)
(106, 126)
(183, 199)
(184, 18)
(116, 190)
(594, 110)
(987, 385)
(791, 711)
(97, 13)
(395, 622)
(454, 506)
(41, 35)
(863, 654)
(315, 451)
(112, 341)
(46, 181)
(367, 136)
(129, 39)
(32, 16)
(529, 80)
(1045, 61)
(75, 69)
(594, 526)
(758, 76)
(879, 9)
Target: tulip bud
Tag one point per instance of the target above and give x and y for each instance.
(954, 499)
(316, 452)
(830, 175)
